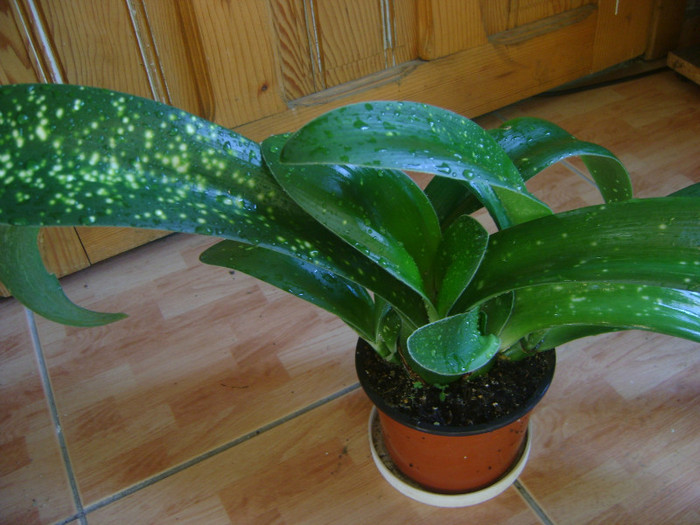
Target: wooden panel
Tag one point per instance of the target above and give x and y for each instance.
(181, 60)
(15, 63)
(350, 39)
(95, 44)
(102, 243)
(686, 62)
(238, 52)
(546, 25)
(502, 15)
(293, 48)
(471, 82)
(623, 27)
(62, 250)
(449, 26)
(665, 29)
(405, 30)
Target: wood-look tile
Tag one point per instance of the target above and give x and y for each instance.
(617, 433)
(316, 468)
(33, 483)
(204, 358)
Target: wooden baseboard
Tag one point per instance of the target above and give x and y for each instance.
(686, 62)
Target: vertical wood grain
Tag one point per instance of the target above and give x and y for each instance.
(404, 21)
(665, 28)
(149, 53)
(294, 48)
(449, 26)
(95, 43)
(623, 26)
(351, 39)
(238, 50)
(19, 61)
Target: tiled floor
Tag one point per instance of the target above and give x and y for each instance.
(222, 400)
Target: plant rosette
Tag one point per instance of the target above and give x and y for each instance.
(455, 452)
(330, 214)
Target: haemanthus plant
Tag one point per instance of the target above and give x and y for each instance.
(328, 214)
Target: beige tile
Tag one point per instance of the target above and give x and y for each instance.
(314, 469)
(33, 483)
(614, 438)
(203, 359)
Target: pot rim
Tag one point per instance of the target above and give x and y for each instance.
(467, 430)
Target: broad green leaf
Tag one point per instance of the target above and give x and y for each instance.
(689, 191)
(73, 155)
(608, 305)
(462, 249)
(447, 349)
(496, 312)
(416, 137)
(650, 241)
(534, 144)
(382, 213)
(343, 298)
(23, 272)
(558, 335)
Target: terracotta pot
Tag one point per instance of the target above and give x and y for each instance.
(452, 460)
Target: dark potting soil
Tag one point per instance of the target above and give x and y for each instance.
(507, 387)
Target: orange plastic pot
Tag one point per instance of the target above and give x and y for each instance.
(452, 460)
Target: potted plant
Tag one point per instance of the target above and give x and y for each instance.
(445, 311)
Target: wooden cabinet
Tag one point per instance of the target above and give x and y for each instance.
(266, 66)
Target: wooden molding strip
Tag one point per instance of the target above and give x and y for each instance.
(544, 26)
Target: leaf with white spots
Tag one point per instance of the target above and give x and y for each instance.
(104, 158)
(534, 144)
(614, 306)
(418, 137)
(652, 241)
(382, 213)
(461, 252)
(445, 350)
(350, 302)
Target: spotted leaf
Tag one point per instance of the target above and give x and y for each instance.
(418, 137)
(73, 155)
(651, 241)
(598, 306)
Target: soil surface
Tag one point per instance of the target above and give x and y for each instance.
(507, 387)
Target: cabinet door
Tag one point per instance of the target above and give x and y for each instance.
(267, 66)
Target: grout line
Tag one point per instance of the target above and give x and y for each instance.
(218, 450)
(534, 506)
(51, 401)
(578, 172)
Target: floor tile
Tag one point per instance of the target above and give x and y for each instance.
(204, 358)
(616, 435)
(314, 469)
(33, 483)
